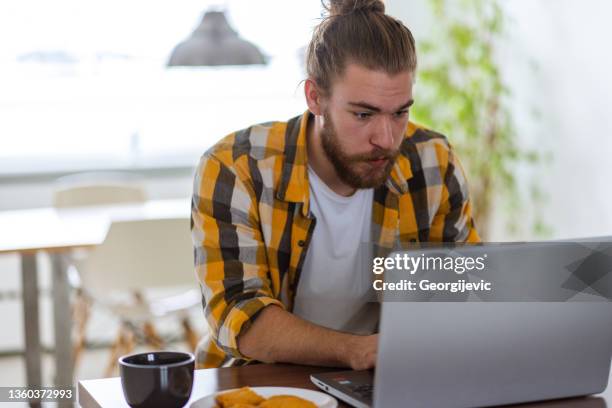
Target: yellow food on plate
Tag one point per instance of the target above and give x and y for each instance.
(286, 401)
(243, 396)
(239, 405)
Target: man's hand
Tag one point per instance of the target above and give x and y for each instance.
(361, 352)
(279, 336)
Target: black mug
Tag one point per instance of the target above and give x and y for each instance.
(157, 379)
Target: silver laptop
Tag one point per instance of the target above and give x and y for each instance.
(450, 354)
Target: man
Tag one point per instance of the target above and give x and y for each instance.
(280, 210)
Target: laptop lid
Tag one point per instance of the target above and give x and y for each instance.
(465, 354)
(462, 354)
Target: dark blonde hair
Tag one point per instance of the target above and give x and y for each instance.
(358, 31)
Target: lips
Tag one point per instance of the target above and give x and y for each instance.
(379, 162)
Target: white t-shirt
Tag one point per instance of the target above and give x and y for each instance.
(334, 289)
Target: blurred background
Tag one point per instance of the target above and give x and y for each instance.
(112, 103)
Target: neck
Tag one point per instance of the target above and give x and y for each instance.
(318, 160)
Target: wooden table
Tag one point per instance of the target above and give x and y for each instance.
(58, 232)
(107, 392)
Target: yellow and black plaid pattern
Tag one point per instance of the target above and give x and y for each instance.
(251, 223)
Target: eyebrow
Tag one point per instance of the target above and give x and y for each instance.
(373, 108)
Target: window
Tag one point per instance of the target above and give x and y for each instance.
(84, 83)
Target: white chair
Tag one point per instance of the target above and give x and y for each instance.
(97, 188)
(91, 189)
(115, 278)
(139, 255)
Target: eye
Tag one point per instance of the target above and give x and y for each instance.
(401, 114)
(362, 115)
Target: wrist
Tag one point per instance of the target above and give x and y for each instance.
(349, 350)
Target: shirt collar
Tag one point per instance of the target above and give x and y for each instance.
(294, 171)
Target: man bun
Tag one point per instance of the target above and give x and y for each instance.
(359, 32)
(343, 7)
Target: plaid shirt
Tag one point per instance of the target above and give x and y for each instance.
(251, 223)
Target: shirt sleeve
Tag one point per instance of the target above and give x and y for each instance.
(454, 221)
(229, 253)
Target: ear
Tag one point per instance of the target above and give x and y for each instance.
(313, 97)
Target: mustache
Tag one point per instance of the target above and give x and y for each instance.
(375, 154)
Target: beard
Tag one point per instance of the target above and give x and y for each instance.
(356, 170)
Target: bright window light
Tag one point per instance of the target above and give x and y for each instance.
(84, 84)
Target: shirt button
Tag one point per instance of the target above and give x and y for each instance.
(301, 242)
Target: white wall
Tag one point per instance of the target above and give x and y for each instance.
(571, 88)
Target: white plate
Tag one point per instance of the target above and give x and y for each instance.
(320, 399)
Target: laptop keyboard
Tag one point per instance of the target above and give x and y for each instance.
(365, 391)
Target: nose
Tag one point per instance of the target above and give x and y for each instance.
(383, 134)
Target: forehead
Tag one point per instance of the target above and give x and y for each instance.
(375, 87)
